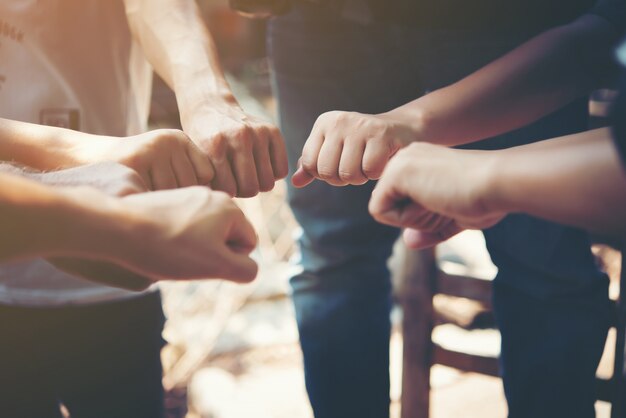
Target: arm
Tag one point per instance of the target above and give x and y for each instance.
(248, 155)
(577, 180)
(530, 82)
(156, 235)
(164, 158)
(526, 84)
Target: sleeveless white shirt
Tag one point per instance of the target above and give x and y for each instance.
(68, 63)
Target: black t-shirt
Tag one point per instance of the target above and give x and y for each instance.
(619, 107)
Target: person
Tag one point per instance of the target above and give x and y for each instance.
(190, 233)
(578, 180)
(360, 61)
(82, 65)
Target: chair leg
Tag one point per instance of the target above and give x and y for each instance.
(618, 404)
(417, 325)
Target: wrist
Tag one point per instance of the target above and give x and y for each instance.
(497, 184)
(414, 119)
(96, 224)
(192, 99)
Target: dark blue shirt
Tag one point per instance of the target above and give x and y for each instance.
(619, 107)
(521, 16)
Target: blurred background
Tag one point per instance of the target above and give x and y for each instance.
(233, 349)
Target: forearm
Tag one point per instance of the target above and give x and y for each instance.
(179, 46)
(528, 83)
(44, 221)
(577, 180)
(37, 146)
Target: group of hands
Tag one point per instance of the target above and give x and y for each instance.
(191, 231)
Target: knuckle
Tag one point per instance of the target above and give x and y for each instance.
(372, 170)
(242, 144)
(326, 172)
(349, 176)
(267, 185)
(247, 191)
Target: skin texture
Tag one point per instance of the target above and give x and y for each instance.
(248, 155)
(164, 158)
(141, 238)
(524, 85)
(437, 192)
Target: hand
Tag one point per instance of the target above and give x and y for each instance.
(351, 148)
(110, 178)
(165, 158)
(248, 154)
(436, 192)
(191, 233)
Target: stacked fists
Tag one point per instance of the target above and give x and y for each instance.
(189, 233)
(434, 191)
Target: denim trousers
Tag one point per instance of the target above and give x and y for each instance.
(551, 302)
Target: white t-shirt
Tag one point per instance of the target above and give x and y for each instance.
(68, 63)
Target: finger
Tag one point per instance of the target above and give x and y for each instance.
(425, 221)
(482, 223)
(328, 161)
(263, 162)
(278, 155)
(183, 170)
(241, 237)
(351, 161)
(301, 177)
(419, 239)
(147, 179)
(311, 151)
(391, 207)
(238, 267)
(224, 180)
(103, 272)
(163, 177)
(202, 165)
(244, 169)
(375, 158)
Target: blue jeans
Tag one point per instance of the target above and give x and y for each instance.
(343, 297)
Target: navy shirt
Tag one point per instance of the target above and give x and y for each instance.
(619, 107)
(522, 16)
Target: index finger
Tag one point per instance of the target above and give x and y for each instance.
(388, 204)
(205, 172)
(278, 154)
(241, 237)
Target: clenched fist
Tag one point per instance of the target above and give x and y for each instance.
(164, 158)
(248, 154)
(350, 148)
(436, 192)
(190, 233)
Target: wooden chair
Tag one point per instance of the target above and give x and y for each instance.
(422, 280)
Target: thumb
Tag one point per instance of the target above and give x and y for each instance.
(241, 237)
(301, 178)
(417, 239)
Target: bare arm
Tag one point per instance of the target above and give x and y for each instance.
(533, 80)
(189, 233)
(577, 180)
(164, 158)
(248, 154)
(526, 84)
